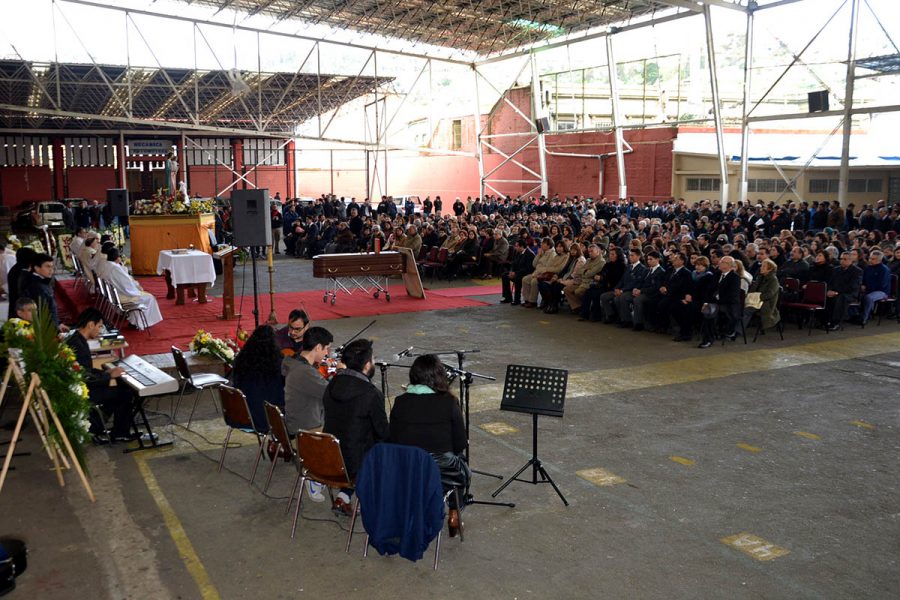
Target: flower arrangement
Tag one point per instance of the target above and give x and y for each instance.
(61, 377)
(163, 203)
(205, 343)
(241, 337)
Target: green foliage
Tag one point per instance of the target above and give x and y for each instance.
(61, 378)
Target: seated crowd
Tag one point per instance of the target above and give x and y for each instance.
(620, 261)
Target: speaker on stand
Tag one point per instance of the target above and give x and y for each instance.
(117, 199)
(251, 225)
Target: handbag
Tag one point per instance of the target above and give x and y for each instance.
(545, 276)
(754, 300)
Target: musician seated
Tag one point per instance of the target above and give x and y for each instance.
(304, 386)
(119, 400)
(257, 373)
(429, 416)
(290, 337)
(131, 292)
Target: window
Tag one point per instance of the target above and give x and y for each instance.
(703, 184)
(766, 186)
(457, 134)
(854, 186)
(565, 125)
(823, 186)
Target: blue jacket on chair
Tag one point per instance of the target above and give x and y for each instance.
(401, 499)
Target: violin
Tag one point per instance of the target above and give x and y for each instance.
(328, 367)
(288, 352)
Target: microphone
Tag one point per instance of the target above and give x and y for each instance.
(405, 353)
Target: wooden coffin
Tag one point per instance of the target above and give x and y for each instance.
(359, 265)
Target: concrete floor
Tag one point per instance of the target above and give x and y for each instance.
(793, 442)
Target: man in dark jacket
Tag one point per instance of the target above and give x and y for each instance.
(118, 401)
(522, 264)
(728, 296)
(618, 302)
(645, 298)
(843, 289)
(38, 285)
(672, 298)
(16, 276)
(876, 283)
(354, 412)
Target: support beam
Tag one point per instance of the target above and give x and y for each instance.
(717, 109)
(745, 125)
(860, 110)
(844, 182)
(479, 153)
(617, 117)
(537, 109)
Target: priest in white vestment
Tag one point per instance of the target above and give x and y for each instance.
(130, 291)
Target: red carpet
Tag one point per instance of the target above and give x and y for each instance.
(180, 323)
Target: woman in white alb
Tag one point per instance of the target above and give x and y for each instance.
(130, 291)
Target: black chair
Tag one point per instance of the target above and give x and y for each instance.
(198, 381)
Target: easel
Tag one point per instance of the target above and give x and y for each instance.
(36, 403)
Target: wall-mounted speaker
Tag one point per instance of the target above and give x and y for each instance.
(818, 101)
(543, 124)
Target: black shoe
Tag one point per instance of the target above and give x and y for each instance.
(732, 336)
(100, 439)
(834, 328)
(125, 437)
(506, 301)
(705, 345)
(515, 303)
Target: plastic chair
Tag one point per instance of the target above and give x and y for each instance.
(320, 461)
(813, 300)
(437, 263)
(198, 381)
(126, 308)
(237, 415)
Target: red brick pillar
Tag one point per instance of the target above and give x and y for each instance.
(59, 169)
(291, 171)
(237, 153)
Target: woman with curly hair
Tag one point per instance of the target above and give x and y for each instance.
(257, 373)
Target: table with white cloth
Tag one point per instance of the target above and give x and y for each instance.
(186, 270)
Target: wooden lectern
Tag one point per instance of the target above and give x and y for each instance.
(226, 255)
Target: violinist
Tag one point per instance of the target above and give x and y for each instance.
(304, 387)
(290, 337)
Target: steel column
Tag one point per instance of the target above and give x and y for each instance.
(745, 125)
(844, 183)
(717, 110)
(479, 155)
(537, 105)
(617, 117)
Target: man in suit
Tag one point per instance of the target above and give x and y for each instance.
(672, 299)
(618, 302)
(646, 297)
(876, 283)
(38, 285)
(843, 289)
(119, 400)
(728, 296)
(522, 264)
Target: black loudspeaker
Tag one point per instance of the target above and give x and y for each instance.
(543, 124)
(251, 219)
(818, 101)
(118, 202)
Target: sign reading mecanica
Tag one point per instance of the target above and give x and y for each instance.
(161, 147)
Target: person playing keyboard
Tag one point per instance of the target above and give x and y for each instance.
(119, 400)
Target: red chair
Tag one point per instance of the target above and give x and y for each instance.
(438, 263)
(813, 300)
(430, 256)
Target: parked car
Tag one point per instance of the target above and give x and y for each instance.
(31, 214)
(400, 201)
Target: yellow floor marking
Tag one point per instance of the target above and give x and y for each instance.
(755, 547)
(499, 428)
(862, 424)
(420, 333)
(701, 368)
(179, 536)
(808, 435)
(749, 448)
(683, 461)
(544, 322)
(599, 476)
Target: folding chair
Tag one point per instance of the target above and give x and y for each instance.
(376, 466)
(437, 263)
(236, 414)
(813, 300)
(123, 309)
(889, 301)
(278, 434)
(320, 461)
(198, 381)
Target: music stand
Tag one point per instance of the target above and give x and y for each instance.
(535, 391)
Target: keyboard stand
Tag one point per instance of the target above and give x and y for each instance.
(142, 445)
